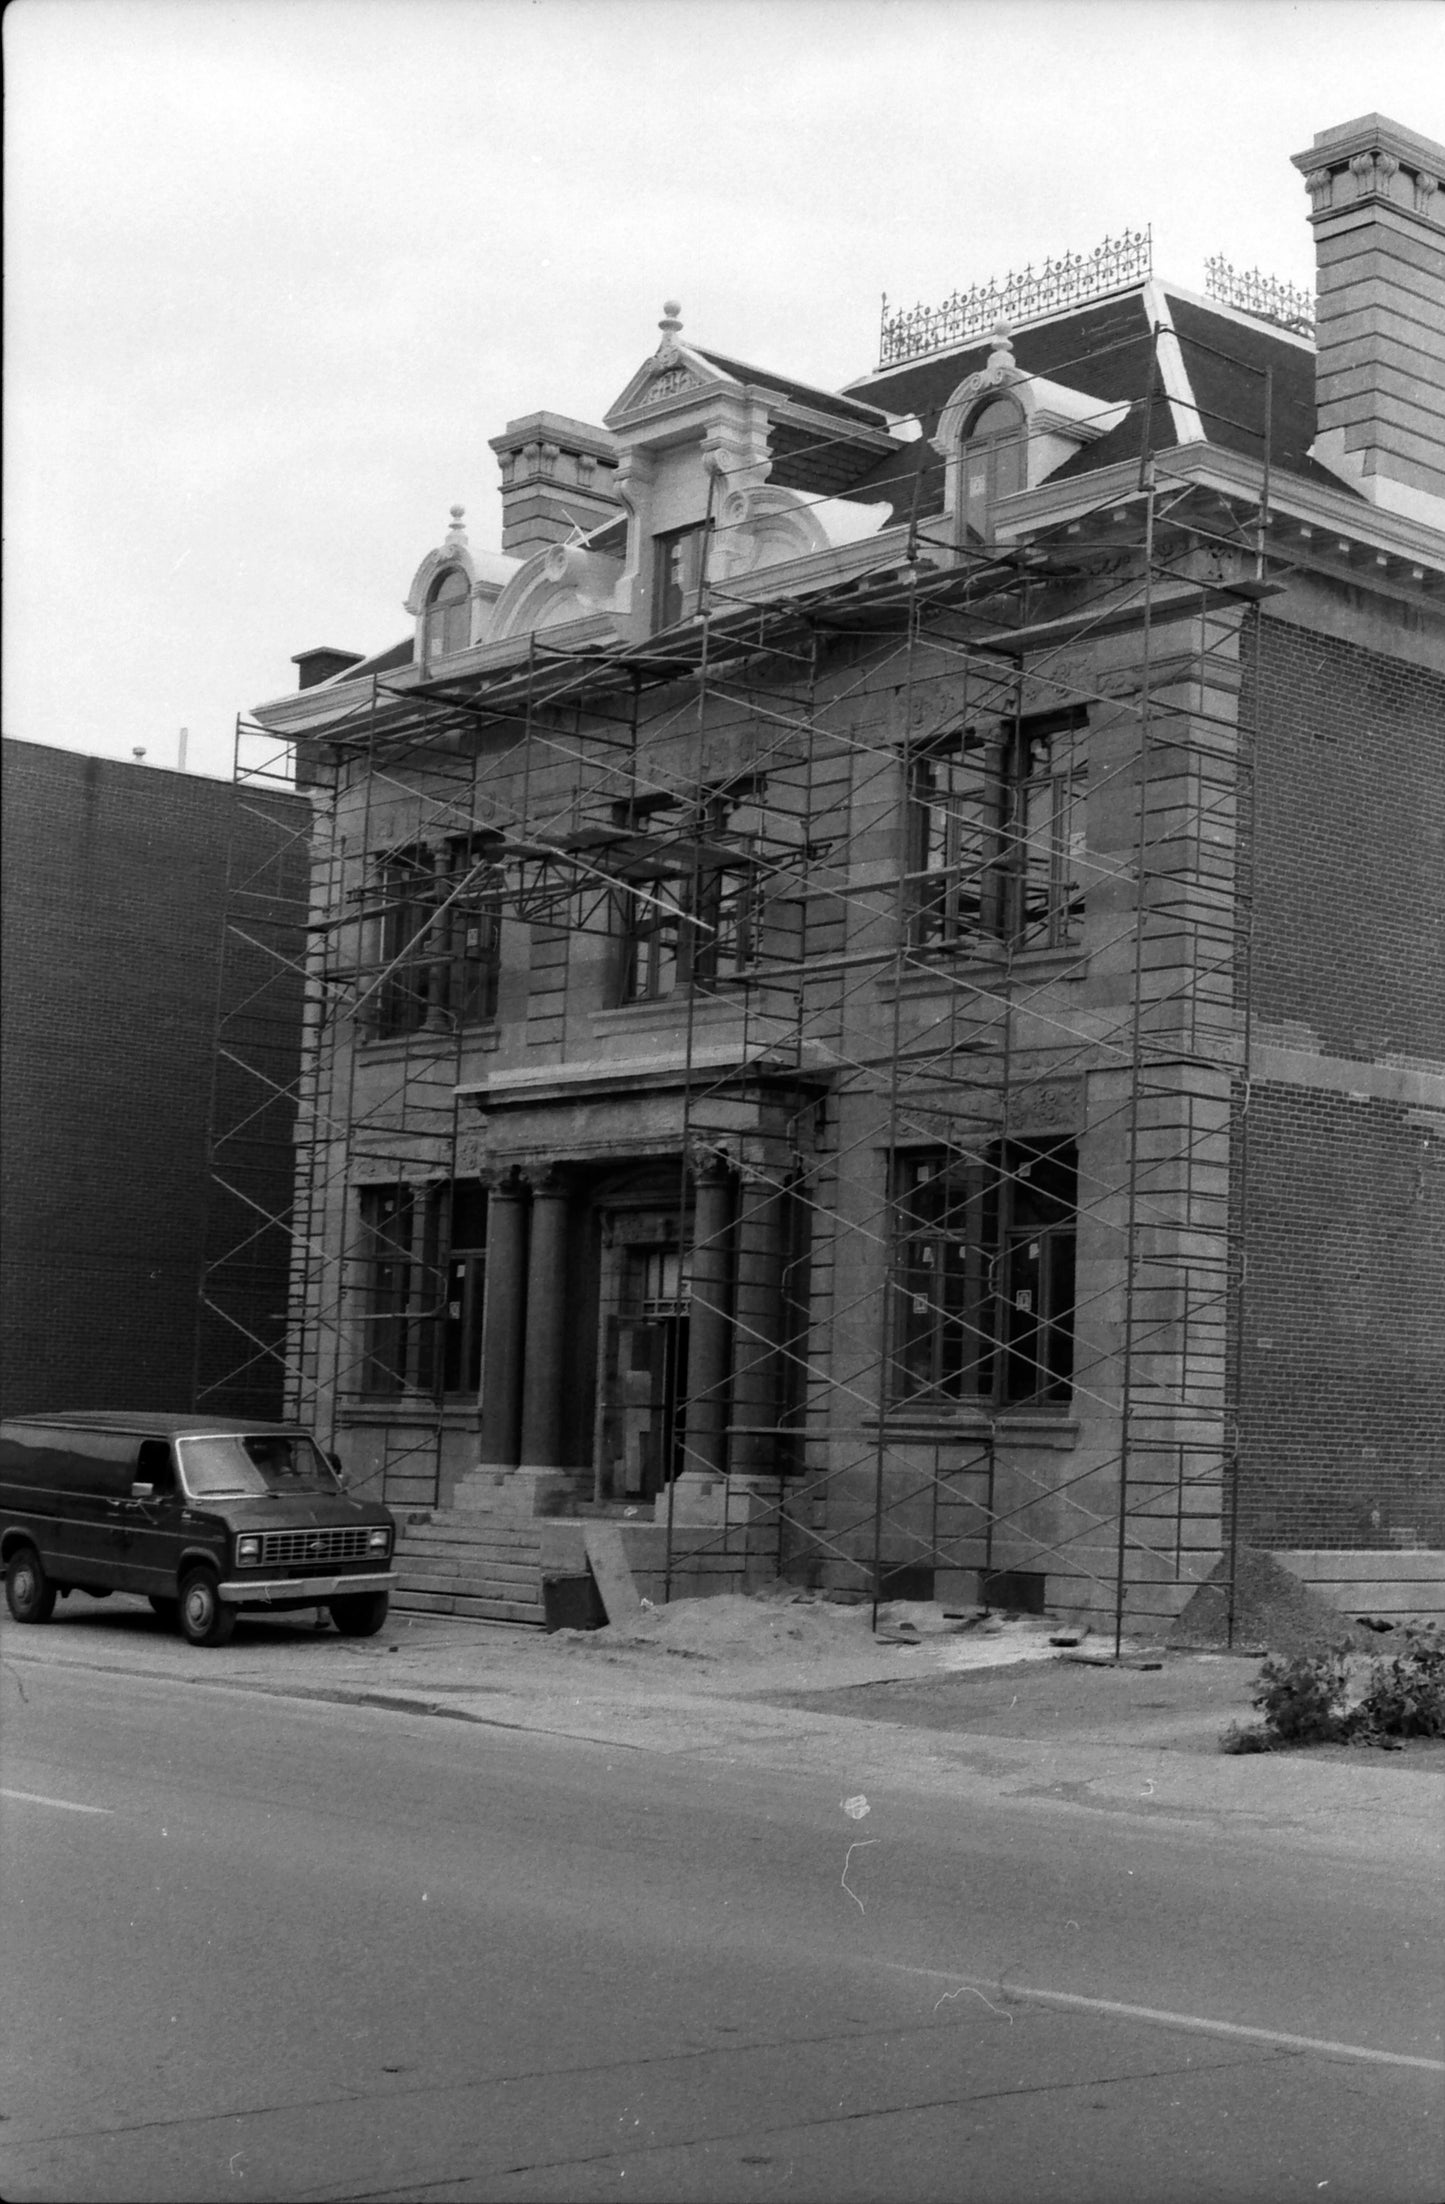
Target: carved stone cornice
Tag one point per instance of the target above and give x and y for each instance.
(1373, 163)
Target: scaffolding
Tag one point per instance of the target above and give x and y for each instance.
(955, 853)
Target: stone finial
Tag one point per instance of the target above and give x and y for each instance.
(456, 533)
(670, 324)
(1001, 351)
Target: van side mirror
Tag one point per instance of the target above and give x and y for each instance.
(339, 1473)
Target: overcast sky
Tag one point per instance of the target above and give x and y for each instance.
(277, 269)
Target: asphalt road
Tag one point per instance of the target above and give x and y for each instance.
(267, 1948)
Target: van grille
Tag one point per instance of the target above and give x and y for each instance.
(303, 1549)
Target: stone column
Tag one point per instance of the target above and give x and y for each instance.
(544, 1374)
(758, 1326)
(709, 1332)
(502, 1314)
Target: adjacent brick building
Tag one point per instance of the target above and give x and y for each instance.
(877, 972)
(146, 913)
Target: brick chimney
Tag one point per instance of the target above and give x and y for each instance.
(322, 662)
(1377, 206)
(555, 479)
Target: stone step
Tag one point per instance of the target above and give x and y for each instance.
(454, 1549)
(441, 1570)
(421, 1542)
(475, 1583)
(473, 1607)
(467, 1530)
(470, 1566)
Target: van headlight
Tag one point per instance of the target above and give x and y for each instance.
(248, 1551)
(378, 1542)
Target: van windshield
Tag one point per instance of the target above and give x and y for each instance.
(253, 1465)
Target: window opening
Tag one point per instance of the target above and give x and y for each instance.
(389, 1299)
(677, 573)
(466, 1270)
(424, 1287)
(697, 931)
(995, 455)
(447, 625)
(1044, 834)
(996, 836)
(984, 1276)
(438, 939)
(950, 801)
(156, 1467)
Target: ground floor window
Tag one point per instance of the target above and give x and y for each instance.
(422, 1263)
(983, 1274)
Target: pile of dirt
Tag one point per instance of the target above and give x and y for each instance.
(783, 1623)
(1273, 1612)
(747, 1626)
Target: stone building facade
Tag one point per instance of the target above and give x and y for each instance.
(879, 988)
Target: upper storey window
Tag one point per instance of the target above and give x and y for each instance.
(435, 940)
(995, 463)
(996, 834)
(448, 614)
(698, 930)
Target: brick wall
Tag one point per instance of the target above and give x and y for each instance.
(115, 881)
(1343, 1381)
(1350, 822)
(1344, 1357)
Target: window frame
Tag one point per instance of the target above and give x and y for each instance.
(984, 462)
(679, 567)
(978, 870)
(982, 1280)
(437, 943)
(447, 615)
(389, 1259)
(692, 929)
(418, 1243)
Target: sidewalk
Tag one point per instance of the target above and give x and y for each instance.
(991, 1715)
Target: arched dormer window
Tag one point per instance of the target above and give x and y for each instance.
(995, 463)
(448, 614)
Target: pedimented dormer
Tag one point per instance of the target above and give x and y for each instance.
(714, 470)
(1003, 431)
(698, 439)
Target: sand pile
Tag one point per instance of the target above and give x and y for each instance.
(1273, 1612)
(742, 1626)
(782, 1623)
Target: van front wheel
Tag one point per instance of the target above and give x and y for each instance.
(29, 1593)
(205, 1617)
(362, 1615)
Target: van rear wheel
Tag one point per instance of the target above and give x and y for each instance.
(362, 1615)
(29, 1593)
(205, 1617)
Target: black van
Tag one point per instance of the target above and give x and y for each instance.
(203, 1515)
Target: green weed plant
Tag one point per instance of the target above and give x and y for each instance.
(1303, 1698)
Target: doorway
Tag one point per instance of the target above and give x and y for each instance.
(644, 1361)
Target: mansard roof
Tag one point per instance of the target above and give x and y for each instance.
(802, 394)
(1104, 349)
